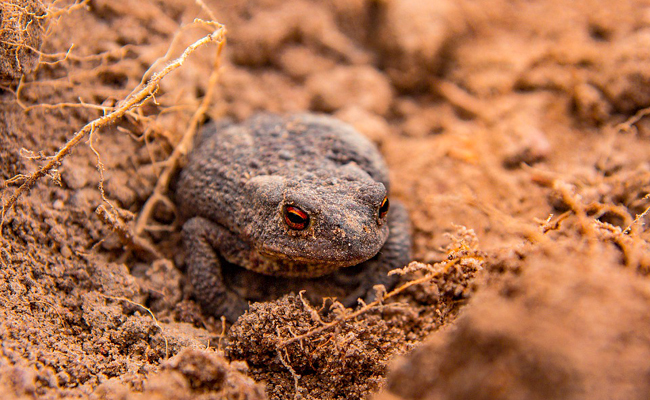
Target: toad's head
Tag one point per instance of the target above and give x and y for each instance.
(311, 225)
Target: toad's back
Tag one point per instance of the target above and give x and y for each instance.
(303, 146)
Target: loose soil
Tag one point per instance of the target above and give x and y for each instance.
(516, 136)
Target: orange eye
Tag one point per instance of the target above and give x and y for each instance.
(295, 218)
(383, 208)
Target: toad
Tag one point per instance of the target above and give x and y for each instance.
(284, 203)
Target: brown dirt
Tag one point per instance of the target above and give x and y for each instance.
(502, 116)
(21, 35)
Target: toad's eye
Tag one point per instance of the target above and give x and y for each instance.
(295, 218)
(383, 208)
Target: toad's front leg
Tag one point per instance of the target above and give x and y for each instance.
(201, 237)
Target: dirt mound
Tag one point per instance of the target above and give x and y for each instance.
(556, 327)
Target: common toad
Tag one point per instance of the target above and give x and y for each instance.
(289, 203)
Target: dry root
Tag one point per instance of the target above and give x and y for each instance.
(128, 106)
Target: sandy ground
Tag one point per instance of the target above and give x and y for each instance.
(510, 132)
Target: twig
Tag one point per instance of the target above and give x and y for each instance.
(181, 149)
(630, 122)
(222, 335)
(124, 233)
(638, 217)
(207, 10)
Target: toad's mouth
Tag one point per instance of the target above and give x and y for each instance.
(307, 264)
(312, 259)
